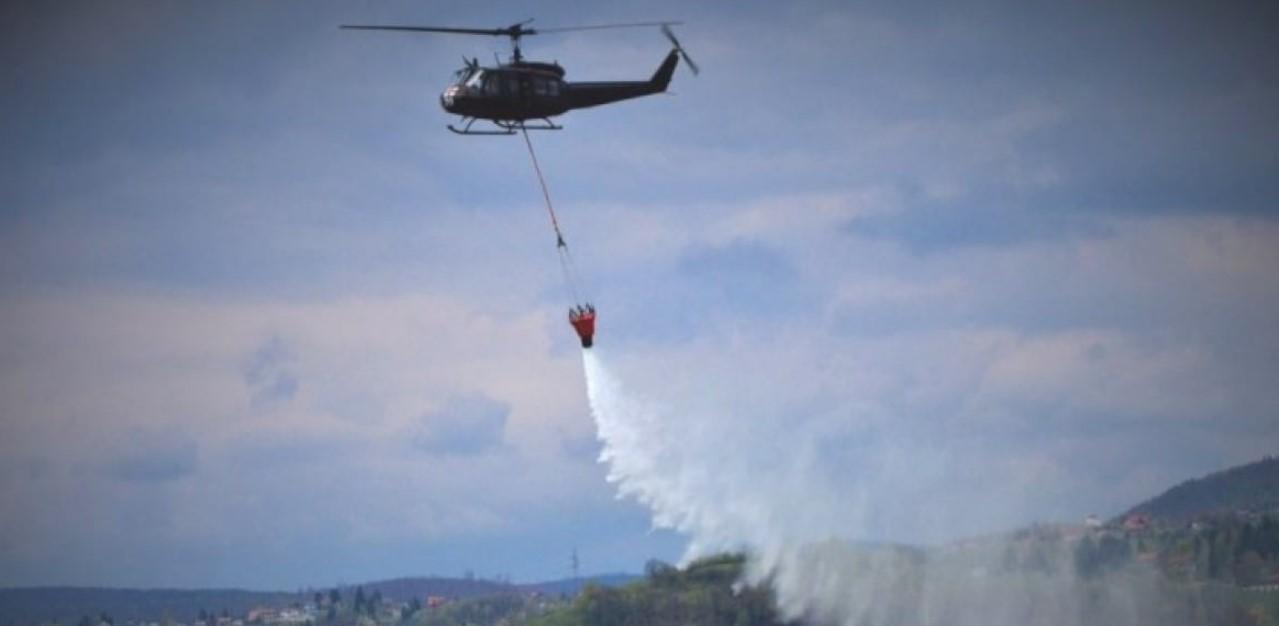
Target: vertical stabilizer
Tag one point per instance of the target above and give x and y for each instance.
(662, 77)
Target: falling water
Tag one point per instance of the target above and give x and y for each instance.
(726, 486)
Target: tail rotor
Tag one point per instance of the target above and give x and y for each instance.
(666, 30)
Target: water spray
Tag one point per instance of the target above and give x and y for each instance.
(701, 475)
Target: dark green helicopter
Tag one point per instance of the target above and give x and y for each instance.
(511, 94)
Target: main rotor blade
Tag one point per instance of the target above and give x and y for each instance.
(564, 29)
(513, 31)
(438, 29)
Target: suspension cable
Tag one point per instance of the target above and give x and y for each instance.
(555, 224)
(567, 266)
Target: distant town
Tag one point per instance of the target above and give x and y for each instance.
(357, 608)
(1211, 543)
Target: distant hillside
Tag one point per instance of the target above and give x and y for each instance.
(571, 586)
(1253, 487)
(67, 605)
(405, 588)
(707, 591)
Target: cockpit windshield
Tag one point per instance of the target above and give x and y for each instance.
(464, 75)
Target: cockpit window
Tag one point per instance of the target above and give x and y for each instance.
(460, 77)
(475, 79)
(492, 85)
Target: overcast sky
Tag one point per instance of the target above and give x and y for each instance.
(264, 322)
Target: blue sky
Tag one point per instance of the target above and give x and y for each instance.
(266, 323)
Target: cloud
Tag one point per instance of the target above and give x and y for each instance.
(748, 274)
(993, 219)
(464, 425)
(581, 448)
(126, 383)
(949, 219)
(268, 374)
(152, 457)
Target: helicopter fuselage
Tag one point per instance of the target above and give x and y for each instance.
(511, 94)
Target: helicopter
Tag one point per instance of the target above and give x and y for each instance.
(511, 94)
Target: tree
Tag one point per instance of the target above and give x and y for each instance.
(414, 606)
(1112, 552)
(1250, 568)
(1246, 540)
(659, 572)
(1218, 550)
(1268, 538)
(1086, 560)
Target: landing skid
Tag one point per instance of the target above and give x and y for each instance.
(507, 127)
(512, 126)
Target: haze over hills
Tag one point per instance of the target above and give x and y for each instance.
(67, 604)
(418, 587)
(1253, 487)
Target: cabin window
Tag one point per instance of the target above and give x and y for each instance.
(553, 88)
(513, 86)
(492, 85)
(539, 86)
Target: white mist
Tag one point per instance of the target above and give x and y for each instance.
(753, 485)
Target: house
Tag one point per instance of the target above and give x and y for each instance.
(1137, 522)
(260, 614)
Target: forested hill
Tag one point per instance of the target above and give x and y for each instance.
(707, 591)
(571, 586)
(406, 588)
(420, 587)
(1253, 487)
